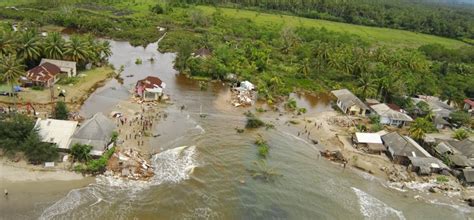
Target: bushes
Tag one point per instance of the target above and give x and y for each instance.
(96, 166)
(60, 111)
(37, 151)
(253, 121)
(460, 117)
(460, 134)
(81, 152)
(262, 146)
(17, 134)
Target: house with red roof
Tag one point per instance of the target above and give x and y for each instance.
(469, 105)
(150, 88)
(44, 75)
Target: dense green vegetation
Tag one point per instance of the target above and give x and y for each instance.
(29, 47)
(96, 166)
(400, 14)
(60, 111)
(17, 134)
(278, 57)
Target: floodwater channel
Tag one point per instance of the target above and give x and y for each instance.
(209, 179)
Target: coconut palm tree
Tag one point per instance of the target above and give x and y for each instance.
(7, 42)
(29, 46)
(106, 49)
(11, 68)
(367, 85)
(77, 49)
(54, 46)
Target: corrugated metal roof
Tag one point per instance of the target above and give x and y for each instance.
(349, 99)
(366, 138)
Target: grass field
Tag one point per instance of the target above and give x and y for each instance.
(381, 36)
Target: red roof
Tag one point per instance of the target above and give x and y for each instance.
(394, 107)
(151, 82)
(469, 101)
(43, 72)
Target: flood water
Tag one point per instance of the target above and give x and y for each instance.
(209, 178)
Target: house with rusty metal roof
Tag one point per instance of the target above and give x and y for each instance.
(44, 75)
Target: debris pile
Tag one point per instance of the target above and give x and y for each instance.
(129, 164)
(244, 95)
(335, 156)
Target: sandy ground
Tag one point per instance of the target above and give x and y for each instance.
(138, 122)
(21, 171)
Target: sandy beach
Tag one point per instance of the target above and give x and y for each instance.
(21, 171)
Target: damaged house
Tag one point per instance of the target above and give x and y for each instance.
(370, 142)
(244, 94)
(150, 88)
(96, 132)
(404, 150)
(349, 103)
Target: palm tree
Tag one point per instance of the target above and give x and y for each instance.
(367, 85)
(77, 49)
(10, 70)
(54, 46)
(7, 43)
(420, 127)
(29, 47)
(105, 50)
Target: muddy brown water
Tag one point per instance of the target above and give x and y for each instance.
(209, 178)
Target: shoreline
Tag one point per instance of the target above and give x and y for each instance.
(22, 172)
(332, 133)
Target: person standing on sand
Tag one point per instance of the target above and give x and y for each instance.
(6, 193)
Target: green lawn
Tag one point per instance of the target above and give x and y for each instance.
(381, 36)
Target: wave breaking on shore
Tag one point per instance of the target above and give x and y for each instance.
(172, 166)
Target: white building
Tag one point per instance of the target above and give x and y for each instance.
(57, 132)
(389, 116)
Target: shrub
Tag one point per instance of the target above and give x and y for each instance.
(374, 119)
(114, 136)
(37, 88)
(442, 179)
(81, 152)
(39, 152)
(301, 111)
(460, 134)
(262, 146)
(376, 127)
(138, 61)
(60, 111)
(254, 122)
(460, 117)
(291, 104)
(157, 9)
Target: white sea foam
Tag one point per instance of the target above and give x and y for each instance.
(171, 166)
(372, 208)
(201, 129)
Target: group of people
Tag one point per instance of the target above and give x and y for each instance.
(139, 125)
(308, 131)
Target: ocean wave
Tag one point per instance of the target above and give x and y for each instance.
(171, 166)
(372, 208)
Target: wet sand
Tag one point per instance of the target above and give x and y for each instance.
(21, 171)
